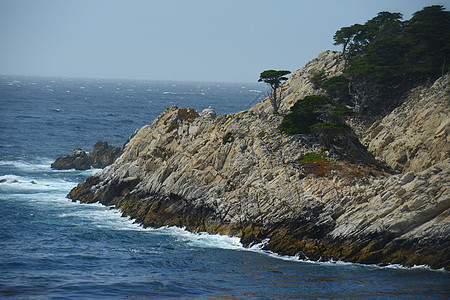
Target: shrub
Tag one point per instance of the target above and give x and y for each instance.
(312, 156)
(187, 114)
(183, 114)
(337, 127)
(318, 79)
(227, 138)
(314, 113)
(315, 163)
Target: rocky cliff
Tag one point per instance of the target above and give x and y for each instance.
(416, 134)
(238, 175)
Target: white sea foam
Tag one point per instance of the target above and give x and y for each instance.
(27, 185)
(42, 164)
(258, 248)
(104, 217)
(203, 240)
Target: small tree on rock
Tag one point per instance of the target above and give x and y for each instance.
(274, 79)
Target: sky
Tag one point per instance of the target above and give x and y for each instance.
(187, 40)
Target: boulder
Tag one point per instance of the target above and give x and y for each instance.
(77, 159)
(103, 155)
(209, 113)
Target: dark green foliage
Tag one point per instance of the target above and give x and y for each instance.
(337, 87)
(339, 111)
(339, 83)
(227, 138)
(274, 78)
(429, 32)
(318, 79)
(312, 156)
(386, 46)
(386, 56)
(313, 113)
(337, 127)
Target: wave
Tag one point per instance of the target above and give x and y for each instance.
(202, 240)
(259, 249)
(21, 184)
(105, 217)
(36, 164)
(39, 186)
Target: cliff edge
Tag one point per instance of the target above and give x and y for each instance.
(238, 175)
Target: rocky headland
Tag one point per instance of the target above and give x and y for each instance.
(378, 194)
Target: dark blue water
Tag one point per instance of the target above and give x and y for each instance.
(51, 247)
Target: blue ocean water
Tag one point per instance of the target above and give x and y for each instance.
(52, 248)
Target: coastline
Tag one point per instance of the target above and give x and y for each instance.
(183, 174)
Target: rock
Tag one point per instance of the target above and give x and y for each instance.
(77, 159)
(208, 113)
(415, 135)
(408, 177)
(2, 180)
(345, 207)
(103, 155)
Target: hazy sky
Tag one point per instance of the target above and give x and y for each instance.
(192, 40)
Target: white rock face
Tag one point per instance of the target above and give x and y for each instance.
(415, 135)
(209, 113)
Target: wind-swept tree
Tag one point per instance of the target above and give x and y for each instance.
(274, 79)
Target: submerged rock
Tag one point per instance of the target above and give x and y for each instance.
(77, 159)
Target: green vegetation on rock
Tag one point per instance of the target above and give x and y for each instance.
(227, 138)
(312, 156)
(313, 113)
(385, 57)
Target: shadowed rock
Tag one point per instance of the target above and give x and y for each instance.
(77, 159)
(103, 155)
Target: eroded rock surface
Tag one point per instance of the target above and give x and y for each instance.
(415, 135)
(254, 185)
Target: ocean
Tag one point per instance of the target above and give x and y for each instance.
(52, 248)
